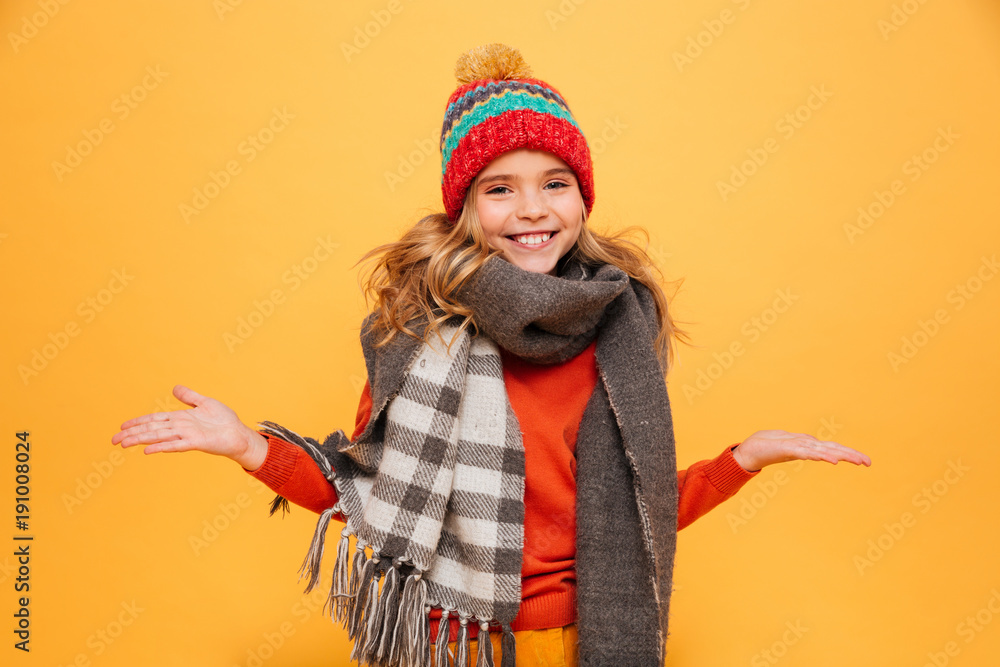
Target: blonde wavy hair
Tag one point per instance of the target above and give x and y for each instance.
(416, 278)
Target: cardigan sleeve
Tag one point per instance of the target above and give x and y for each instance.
(290, 472)
(707, 483)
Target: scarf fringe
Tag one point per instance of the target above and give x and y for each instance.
(279, 502)
(314, 557)
(389, 625)
(367, 642)
(484, 656)
(368, 573)
(389, 605)
(441, 645)
(340, 593)
(507, 648)
(462, 642)
(357, 572)
(406, 635)
(289, 435)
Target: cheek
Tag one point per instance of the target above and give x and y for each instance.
(571, 238)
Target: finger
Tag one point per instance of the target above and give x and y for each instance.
(848, 453)
(144, 419)
(149, 436)
(188, 396)
(178, 444)
(138, 429)
(834, 452)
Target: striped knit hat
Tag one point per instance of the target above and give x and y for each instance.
(498, 108)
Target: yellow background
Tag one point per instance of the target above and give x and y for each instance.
(113, 530)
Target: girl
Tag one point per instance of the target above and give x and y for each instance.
(512, 473)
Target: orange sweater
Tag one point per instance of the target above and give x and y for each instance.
(549, 402)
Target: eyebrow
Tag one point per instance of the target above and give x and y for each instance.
(516, 177)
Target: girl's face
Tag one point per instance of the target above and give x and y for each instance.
(530, 207)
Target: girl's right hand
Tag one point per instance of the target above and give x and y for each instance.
(210, 427)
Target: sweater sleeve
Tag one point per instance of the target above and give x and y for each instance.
(290, 472)
(707, 483)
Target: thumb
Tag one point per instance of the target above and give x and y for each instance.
(188, 396)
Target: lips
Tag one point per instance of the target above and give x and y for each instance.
(533, 239)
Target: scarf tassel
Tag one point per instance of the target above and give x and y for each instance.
(367, 627)
(419, 635)
(390, 603)
(425, 641)
(374, 614)
(484, 657)
(354, 583)
(314, 557)
(507, 648)
(355, 626)
(279, 502)
(340, 587)
(404, 636)
(441, 645)
(462, 643)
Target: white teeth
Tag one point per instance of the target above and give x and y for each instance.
(533, 239)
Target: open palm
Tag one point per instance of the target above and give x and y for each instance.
(210, 426)
(775, 446)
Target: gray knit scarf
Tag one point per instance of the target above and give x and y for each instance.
(434, 485)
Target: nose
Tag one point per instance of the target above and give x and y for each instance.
(532, 205)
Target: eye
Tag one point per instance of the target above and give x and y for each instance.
(557, 184)
(496, 190)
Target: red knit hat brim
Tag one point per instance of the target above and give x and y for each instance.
(521, 128)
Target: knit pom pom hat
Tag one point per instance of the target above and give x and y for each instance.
(497, 108)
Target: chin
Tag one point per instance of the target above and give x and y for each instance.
(536, 267)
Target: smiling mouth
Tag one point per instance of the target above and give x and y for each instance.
(531, 239)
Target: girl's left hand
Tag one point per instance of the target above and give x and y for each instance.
(773, 446)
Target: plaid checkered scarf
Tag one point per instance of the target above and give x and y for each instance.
(434, 485)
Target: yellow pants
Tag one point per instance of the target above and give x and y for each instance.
(553, 647)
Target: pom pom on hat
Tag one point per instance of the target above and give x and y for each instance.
(491, 61)
(498, 107)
